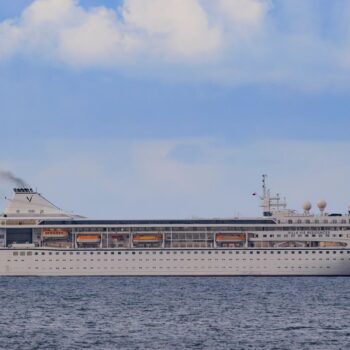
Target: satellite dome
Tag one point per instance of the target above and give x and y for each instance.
(307, 206)
(322, 204)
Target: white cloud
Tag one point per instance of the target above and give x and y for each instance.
(226, 41)
(179, 26)
(169, 31)
(244, 12)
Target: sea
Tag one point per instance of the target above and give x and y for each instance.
(175, 313)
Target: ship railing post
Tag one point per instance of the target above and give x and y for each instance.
(107, 233)
(73, 239)
(171, 237)
(5, 237)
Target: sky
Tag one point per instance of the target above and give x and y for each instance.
(170, 109)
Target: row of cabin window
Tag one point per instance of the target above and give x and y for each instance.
(325, 221)
(174, 267)
(29, 253)
(301, 235)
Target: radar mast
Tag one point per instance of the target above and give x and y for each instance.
(270, 204)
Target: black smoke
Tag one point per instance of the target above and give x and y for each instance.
(8, 176)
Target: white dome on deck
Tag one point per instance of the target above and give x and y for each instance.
(322, 204)
(307, 206)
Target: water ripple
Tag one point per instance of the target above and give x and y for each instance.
(174, 313)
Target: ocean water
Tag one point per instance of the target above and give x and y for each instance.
(174, 313)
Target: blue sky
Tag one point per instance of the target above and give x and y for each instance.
(175, 111)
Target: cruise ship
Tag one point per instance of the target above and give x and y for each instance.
(39, 239)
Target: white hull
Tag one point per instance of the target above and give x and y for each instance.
(175, 262)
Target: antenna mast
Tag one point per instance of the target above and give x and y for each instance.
(264, 185)
(269, 204)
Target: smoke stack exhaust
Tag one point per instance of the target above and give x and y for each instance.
(8, 176)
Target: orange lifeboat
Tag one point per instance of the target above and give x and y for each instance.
(147, 238)
(54, 233)
(332, 244)
(220, 237)
(88, 238)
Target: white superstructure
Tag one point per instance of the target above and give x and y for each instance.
(37, 238)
